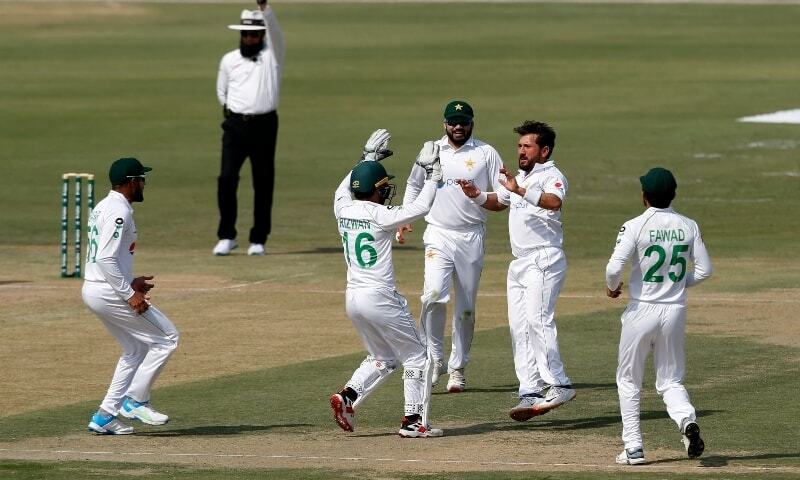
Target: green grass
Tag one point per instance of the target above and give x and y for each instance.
(627, 87)
(728, 380)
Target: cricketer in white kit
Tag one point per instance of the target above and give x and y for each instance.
(148, 338)
(378, 312)
(536, 275)
(454, 240)
(657, 245)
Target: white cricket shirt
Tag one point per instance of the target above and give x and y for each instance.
(475, 161)
(529, 226)
(658, 244)
(112, 241)
(367, 230)
(252, 87)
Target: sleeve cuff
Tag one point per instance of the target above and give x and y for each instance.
(480, 199)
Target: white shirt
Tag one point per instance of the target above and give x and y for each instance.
(112, 241)
(659, 241)
(252, 87)
(367, 230)
(529, 226)
(476, 161)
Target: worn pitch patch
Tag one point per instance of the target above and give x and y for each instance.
(783, 116)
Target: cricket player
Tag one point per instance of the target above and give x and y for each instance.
(379, 313)
(657, 245)
(454, 240)
(537, 273)
(121, 302)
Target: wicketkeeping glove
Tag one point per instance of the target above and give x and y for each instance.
(376, 148)
(428, 159)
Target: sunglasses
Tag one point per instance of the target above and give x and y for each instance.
(463, 123)
(252, 33)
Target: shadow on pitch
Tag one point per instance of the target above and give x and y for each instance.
(712, 461)
(219, 430)
(557, 424)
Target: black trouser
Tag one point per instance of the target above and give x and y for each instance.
(255, 137)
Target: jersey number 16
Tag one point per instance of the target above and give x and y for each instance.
(361, 248)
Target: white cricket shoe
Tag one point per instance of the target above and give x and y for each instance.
(526, 408)
(255, 249)
(343, 412)
(691, 438)
(631, 456)
(108, 425)
(142, 412)
(457, 383)
(555, 397)
(224, 247)
(438, 369)
(418, 430)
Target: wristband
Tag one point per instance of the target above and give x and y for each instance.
(480, 199)
(533, 196)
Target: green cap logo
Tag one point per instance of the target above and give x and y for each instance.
(458, 110)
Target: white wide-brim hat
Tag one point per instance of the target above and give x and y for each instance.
(251, 20)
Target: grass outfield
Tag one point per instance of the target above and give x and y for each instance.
(265, 340)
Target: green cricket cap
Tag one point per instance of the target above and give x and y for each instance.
(126, 168)
(367, 176)
(458, 110)
(658, 181)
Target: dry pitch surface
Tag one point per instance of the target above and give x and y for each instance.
(44, 372)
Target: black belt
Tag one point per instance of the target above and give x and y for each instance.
(247, 117)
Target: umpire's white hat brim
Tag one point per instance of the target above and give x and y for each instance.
(247, 27)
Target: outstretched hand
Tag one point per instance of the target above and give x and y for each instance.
(508, 180)
(377, 146)
(469, 188)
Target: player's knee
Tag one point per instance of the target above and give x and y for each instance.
(411, 373)
(434, 296)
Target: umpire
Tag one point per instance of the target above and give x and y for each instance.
(248, 86)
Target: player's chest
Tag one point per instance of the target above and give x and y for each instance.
(467, 165)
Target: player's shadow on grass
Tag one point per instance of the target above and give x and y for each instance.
(558, 424)
(491, 389)
(219, 430)
(712, 461)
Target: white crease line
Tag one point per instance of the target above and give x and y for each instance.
(366, 459)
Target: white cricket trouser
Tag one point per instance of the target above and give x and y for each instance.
(390, 335)
(534, 283)
(457, 256)
(658, 327)
(147, 341)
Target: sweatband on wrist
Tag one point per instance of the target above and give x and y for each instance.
(533, 196)
(480, 199)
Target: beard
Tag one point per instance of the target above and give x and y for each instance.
(251, 51)
(467, 134)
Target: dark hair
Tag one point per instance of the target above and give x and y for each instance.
(545, 135)
(659, 201)
(363, 195)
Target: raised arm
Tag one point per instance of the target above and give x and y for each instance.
(275, 40)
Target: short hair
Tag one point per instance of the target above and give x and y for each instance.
(363, 195)
(659, 201)
(545, 135)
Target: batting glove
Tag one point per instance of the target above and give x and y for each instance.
(376, 148)
(428, 159)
